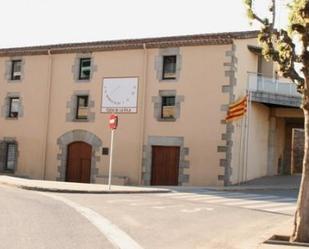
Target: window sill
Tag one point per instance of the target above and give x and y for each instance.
(168, 80)
(83, 80)
(80, 120)
(167, 119)
(14, 81)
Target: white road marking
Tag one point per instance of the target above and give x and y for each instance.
(120, 200)
(116, 236)
(209, 197)
(201, 197)
(170, 194)
(274, 201)
(267, 204)
(159, 207)
(229, 199)
(243, 200)
(184, 196)
(144, 203)
(222, 198)
(167, 206)
(280, 208)
(194, 210)
(254, 200)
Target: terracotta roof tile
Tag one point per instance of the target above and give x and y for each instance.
(158, 42)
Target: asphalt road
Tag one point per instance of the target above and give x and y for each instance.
(200, 219)
(30, 220)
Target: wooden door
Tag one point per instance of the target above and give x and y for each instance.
(165, 165)
(79, 162)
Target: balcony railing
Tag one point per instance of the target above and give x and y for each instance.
(259, 83)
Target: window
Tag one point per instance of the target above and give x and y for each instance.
(13, 107)
(10, 156)
(82, 107)
(168, 110)
(265, 68)
(169, 67)
(167, 105)
(16, 70)
(84, 68)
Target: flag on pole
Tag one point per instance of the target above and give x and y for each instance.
(237, 109)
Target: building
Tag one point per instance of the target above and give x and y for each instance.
(172, 128)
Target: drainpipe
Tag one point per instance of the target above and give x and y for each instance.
(47, 111)
(143, 112)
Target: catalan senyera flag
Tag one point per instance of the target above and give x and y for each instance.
(237, 109)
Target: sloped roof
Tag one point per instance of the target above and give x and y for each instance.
(255, 49)
(157, 42)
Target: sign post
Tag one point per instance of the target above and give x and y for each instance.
(113, 122)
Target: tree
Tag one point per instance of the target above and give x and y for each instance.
(289, 49)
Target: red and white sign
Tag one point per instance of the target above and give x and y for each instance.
(113, 121)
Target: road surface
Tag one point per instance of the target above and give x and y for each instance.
(196, 219)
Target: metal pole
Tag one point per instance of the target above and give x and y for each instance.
(240, 163)
(249, 106)
(245, 150)
(111, 161)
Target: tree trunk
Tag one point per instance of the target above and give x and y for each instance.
(301, 219)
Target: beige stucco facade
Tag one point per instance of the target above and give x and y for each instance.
(211, 73)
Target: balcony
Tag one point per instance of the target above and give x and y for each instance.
(273, 91)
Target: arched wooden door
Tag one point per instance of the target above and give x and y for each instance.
(78, 162)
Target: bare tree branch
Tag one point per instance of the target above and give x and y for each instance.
(259, 19)
(273, 11)
(279, 46)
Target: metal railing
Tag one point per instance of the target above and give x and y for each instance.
(258, 83)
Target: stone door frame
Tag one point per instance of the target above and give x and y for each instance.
(78, 136)
(165, 141)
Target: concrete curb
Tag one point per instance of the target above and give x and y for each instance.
(282, 241)
(274, 246)
(54, 190)
(66, 189)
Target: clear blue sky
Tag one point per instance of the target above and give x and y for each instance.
(39, 22)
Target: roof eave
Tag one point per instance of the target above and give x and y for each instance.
(160, 42)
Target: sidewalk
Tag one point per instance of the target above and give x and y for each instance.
(269, 183)
(70, 187)
(284, 228)
(264, 183)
